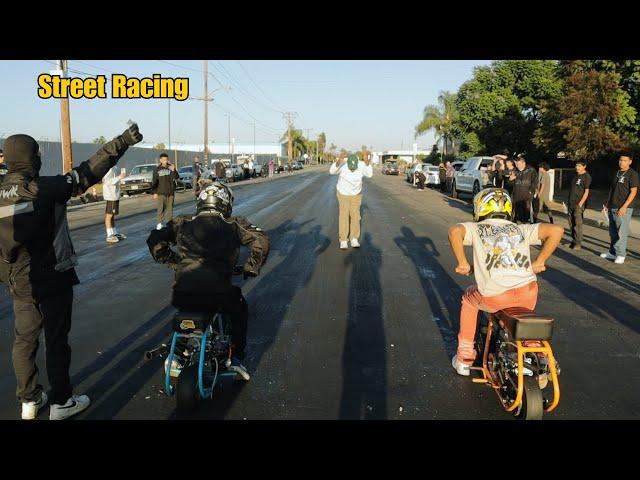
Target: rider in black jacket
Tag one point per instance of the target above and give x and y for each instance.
(37, 262)
(208, 246)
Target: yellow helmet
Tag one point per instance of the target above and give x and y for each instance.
(492, 202)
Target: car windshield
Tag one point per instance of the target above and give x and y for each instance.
(432, 168)
(142, 169)
(186, 169)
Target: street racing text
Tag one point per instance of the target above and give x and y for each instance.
(156, 86)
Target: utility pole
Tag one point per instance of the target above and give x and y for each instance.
(206, 114)
(308, 133)
(289, 116)
(254, 141)
(229, 130)
(65, 122)
(169, 100)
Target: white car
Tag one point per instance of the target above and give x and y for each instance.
(412, 170)
(472, 177)
(234, 173)
(432, 173)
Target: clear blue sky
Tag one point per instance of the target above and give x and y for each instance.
(376, 103)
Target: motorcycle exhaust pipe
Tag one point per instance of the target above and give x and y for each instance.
(156, 352)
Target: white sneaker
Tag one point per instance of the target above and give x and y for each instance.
(30, 409)
(619, 260)
(159, 226)
(112, 239)
(75, 404)
(608, 256)
(355, 243)
(460, 367)
(121, 236)
(344, 245)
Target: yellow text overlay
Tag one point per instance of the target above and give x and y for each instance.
(55, 86)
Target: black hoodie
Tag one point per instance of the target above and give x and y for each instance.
(37, 257)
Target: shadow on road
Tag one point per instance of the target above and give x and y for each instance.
(364, 368)
(442, 292)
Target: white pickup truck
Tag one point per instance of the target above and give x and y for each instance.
(472, 177)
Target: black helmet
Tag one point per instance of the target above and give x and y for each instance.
(217, 197)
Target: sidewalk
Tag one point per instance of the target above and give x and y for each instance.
(593, 213)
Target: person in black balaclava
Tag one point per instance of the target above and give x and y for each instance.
(37, 263)
(3, 166)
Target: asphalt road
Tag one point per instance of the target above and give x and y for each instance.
(361, 334)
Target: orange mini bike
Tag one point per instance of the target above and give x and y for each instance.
(517, 361)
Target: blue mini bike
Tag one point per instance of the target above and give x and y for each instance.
(199, 354)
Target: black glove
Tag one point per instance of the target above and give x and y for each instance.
(249, 274)
(132, 135)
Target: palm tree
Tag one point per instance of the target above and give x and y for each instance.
(441, 118)
(298, 142)
(322, 144)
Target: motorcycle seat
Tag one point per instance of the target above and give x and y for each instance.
(525, 324)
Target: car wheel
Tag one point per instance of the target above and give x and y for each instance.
(476, 189)
(454, 191)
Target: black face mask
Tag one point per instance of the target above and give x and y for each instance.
(22, 155)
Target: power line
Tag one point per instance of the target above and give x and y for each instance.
(245, 92)
(258, 87)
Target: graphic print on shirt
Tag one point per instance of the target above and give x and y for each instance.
(500, 244)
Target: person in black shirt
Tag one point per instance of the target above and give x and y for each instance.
(163, 187)
(623, 191)
(524, 186)
(577, 202)
(508, 175)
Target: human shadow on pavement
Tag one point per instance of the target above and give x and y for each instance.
(269, 301)
(441, 291)
(596, 301)
(364, 367)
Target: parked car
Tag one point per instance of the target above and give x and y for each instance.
(186, 176)
(139, 180)
(298, 166)
(234, 173)
(390, 168)
(472, 177)
(432, 173)
(457, 165)
(411, 171)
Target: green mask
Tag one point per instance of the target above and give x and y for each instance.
(352, 162)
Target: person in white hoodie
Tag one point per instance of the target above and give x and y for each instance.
(349, 187)
(111, 193)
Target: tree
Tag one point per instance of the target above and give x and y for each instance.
(501, 106)
(160, 146)
(442, 118)
(322, 144)
(100, 140)
(591, 111)
(298, 141)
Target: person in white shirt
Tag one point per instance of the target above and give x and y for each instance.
(349, 192)
(111, 193)
(251, 168)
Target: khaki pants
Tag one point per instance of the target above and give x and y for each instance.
(349, 223)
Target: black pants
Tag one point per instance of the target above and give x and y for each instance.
(54, 315)
(522, 211)
(232, 303)
(575, 223)
(420, 179)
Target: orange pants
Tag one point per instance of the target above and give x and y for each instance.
(473, 301)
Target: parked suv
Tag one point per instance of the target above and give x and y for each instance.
(472, 177)
(186, 176)
(139, 180)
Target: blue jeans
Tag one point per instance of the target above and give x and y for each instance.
(619, 231)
